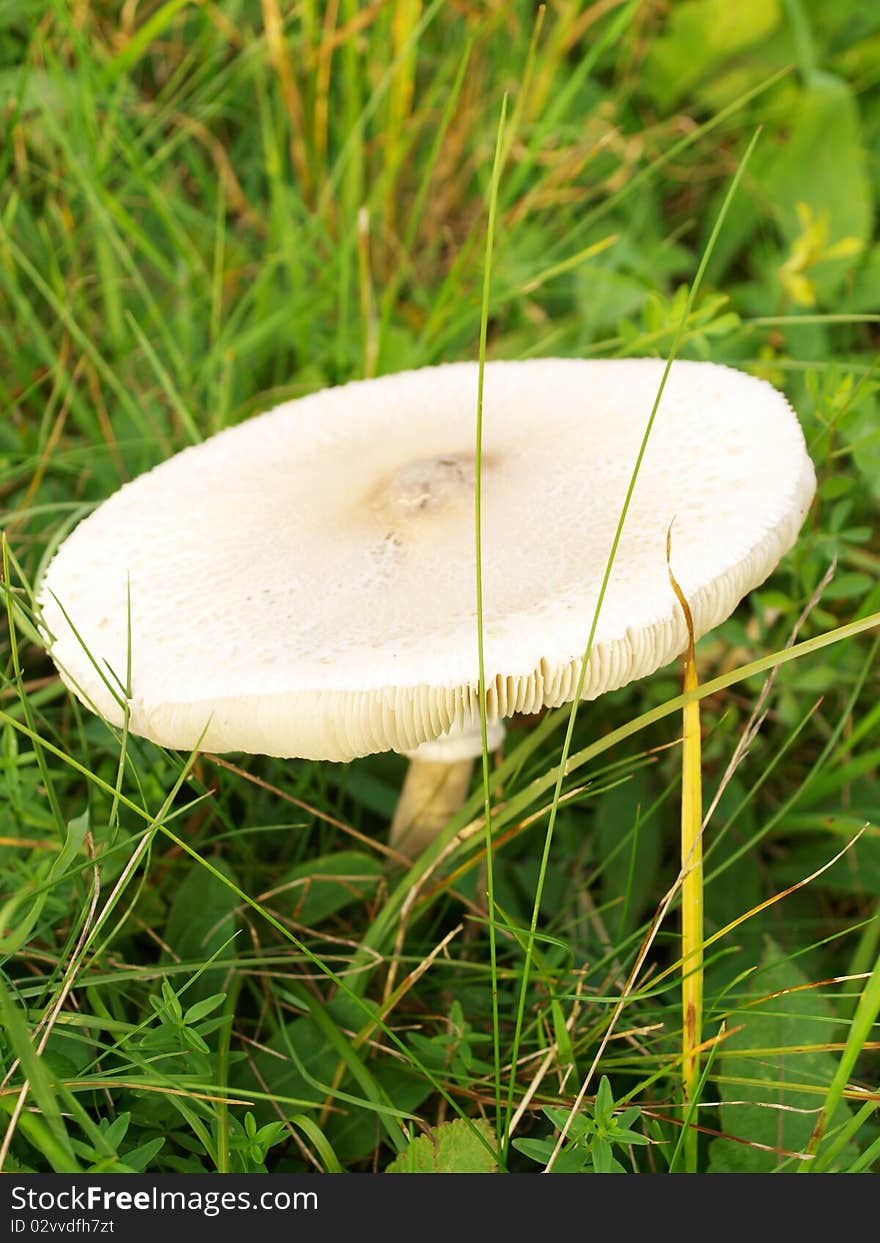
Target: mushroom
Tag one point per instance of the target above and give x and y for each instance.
(303, 584)
(436, 784)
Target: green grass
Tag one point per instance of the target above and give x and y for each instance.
(209, 963)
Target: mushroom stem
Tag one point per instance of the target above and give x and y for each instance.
(432, 793)
(436, 785)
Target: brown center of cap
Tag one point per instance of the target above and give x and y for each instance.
(431, 483)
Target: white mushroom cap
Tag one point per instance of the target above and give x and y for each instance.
(303, 584)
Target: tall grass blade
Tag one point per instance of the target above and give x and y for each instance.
(692, 878)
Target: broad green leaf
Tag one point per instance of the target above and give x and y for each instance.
(764, 1079)
(844, 20)
(864, 434)
(203, 916)
(858, 872)
(864, 294)
(353, 1132)
(569, 1161)
(301, 1062)
(814, 160)
(451, 1148)
(701, 36)
(315, 890)
(26, 11)
(631, 851)
(736, 889)
(202, 1009)
(819, 160)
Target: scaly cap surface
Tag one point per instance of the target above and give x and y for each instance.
(303, 584)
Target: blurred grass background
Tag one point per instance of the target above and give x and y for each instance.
(208, 208)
